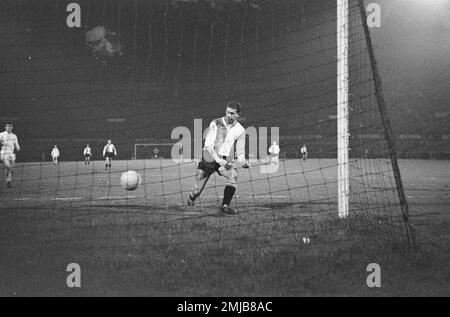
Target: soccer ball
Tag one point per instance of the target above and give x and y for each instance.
(130, 180)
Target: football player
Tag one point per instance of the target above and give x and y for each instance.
(218, 155)
(9, 145)
(109, 152)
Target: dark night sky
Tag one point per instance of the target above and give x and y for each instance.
(413, 49)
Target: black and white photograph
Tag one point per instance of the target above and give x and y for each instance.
(235, 151)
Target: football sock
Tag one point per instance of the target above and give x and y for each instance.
(228, 194)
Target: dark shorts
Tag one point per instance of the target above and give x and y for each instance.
(87, 155)
(208, 165)
(109, 154)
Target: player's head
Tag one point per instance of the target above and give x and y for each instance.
(8, 127)
(274, 143)
(109, 141)
(87, 145)
(233, 111)
(55, 146)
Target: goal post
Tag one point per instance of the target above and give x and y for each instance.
(342, 107)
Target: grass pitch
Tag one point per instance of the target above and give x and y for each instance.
(148, 242)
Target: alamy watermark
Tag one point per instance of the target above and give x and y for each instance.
(190, 145)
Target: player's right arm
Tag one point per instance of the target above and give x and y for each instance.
(209, 143)
(104, 151)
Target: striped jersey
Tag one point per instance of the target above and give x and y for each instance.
(9, 142)
(221, 138)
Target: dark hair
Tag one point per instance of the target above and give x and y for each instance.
(234, 105)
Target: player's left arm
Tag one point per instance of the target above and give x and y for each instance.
(16, 145)
(115, 151)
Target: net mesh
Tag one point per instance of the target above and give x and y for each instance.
(136, 70)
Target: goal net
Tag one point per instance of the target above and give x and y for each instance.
(305, 74)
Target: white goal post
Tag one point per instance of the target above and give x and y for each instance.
(342, 107)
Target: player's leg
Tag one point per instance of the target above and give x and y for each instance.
(9, 164)
(201, 178)
(232, 175)
(3, 160)
(6, 168)
(274, 159)
(106, 161)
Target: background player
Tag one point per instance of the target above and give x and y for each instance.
(9, 144)
(87, 152)
(274, 152)
(220, 138)
(109, 151)
(55, 154)
(304, 152)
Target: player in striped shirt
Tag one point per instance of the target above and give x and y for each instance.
(109, 151)
(87, 152)
(218, 155)
(9, 145)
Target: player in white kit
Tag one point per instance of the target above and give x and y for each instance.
(109, 152)
(55, 154)
(87, 153)
(304, 152)
(274, 152)
(9, 145)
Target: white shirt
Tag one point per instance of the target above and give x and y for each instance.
(109, 148)
(87, 150)
(9, 142)
(303, 149)
(221, 137)
(274, 149)
(55, 152)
